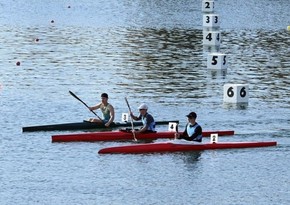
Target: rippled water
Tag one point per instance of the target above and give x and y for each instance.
(150, 52)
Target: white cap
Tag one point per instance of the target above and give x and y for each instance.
(143, 106)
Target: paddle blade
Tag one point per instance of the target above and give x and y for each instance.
(76, 97)
(70, 92)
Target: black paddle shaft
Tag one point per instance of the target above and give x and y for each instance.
(76, 97)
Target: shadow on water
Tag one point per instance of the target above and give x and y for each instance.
(191, 157)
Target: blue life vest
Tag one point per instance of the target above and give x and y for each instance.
(191, 130)
(151, 126)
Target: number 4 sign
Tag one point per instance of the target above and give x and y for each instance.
(211, 38)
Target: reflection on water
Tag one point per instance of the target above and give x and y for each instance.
(211, 49)
(173, 62)
(216, 73)
(238, 106)
(161, 62)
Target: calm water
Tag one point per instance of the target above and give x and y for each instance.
(148, 51)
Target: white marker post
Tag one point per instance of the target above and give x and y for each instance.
(172, 126)
(211, 20)
(216, 61)
(236, 93)
(211, 38)
(207, 6)
(125, 117)
(214, 138)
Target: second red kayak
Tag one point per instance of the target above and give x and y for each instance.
(123, 136)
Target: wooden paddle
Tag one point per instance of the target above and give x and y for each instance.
(131, 120)
(76, 97)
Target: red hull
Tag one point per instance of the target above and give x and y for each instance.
(180, 147)
(121, 136)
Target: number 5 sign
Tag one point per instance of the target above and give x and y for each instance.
(236, 93)
(217, 61)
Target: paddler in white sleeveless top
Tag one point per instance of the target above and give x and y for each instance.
(147, 119)
(107, 111)
(193, 131)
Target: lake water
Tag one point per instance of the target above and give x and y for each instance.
(147, 51)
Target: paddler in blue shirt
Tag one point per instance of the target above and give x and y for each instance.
(107, 111)
(193, 131)
(147, 119)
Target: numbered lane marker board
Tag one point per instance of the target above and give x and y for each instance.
(236, 93)
(216, 61)
(125, 117)
(211, 38)
(211, 20)
(207, 6)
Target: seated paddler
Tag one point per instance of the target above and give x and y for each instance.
(193, 131)
(107, 110)
(146, 118)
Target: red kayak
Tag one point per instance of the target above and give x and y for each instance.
(122, 136)
(180, 147)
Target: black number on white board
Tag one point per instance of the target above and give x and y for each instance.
(207, 5)
(207, 19)
(208, 37)
(214, 60)
(243, 92)
(216, 19)
(230, 92)
(224, 62)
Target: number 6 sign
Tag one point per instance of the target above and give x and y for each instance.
(236, 93)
